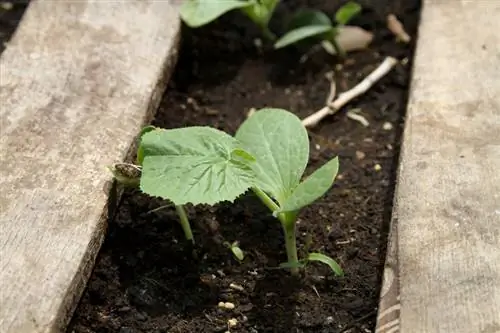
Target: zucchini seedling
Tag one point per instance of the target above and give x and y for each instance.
(197, 165)
(280, 144)
(196, 13)
(314, 25)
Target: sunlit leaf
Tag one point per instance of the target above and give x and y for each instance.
(345, 13)
(194, 165)
(196, 13)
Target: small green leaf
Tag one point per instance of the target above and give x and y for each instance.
(299, 34)
(312, 187)
(308, 17)
(280, 144)
(238, 253)
(261, 11)
(345, 13)
(193, 165)
(240, 153)
(196, 13)
(334, 266)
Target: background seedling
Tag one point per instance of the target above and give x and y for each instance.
(236, 250)
(313, 25)
(280, 145)
(196, 13)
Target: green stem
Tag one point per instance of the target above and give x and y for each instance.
(291, 247)
(183, 219)
(268, 34)
(340, 51)
(287, 220)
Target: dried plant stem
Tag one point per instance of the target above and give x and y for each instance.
(397, 28)
(345, 97)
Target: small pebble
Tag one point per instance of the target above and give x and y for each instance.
(377, 167)
(387, 126)
(232, 322)
(236, 287)
(226, 305)
(6, 5)
(360, 155)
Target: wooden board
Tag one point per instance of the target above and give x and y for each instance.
(448, 195)
(78, 80)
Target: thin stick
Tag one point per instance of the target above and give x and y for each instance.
(333, 87)
(345, 97)
(397, 28)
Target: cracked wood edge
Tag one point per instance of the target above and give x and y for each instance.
(78, 81)
(446, 217)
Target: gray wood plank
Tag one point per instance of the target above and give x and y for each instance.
(78, 80)
(448, 196)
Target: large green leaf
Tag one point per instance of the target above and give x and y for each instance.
(312, 187)
(196, 13)
(198, 165)
(300, 34)
(280, 144)
(345, 13)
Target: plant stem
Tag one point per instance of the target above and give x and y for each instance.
(268, 34)
(287, 220)
(183, 219)
(340, 51)
(291, 246)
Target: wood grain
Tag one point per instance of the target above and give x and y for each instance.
(78, 80)
(448, 196)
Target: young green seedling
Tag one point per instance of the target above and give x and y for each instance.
(280, 144)
(197, 165)
(316, 26)
(196, 13)
(236, 250)
(129, 175)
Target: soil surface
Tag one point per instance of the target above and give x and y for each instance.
(147, 279)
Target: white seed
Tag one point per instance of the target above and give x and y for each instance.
(221, 305)
(387, 126)
(232, 322)
(229, 305)
(377, 167)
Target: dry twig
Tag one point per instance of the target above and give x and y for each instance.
(397, 28)
(345, 97)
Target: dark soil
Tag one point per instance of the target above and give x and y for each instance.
(148, 280)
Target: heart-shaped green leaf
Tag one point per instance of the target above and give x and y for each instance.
(198, 165)
(345, 13)
(312, 187)
(280, 144)
(196, 13)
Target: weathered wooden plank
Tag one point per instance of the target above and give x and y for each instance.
(78, 80)
(448, 196)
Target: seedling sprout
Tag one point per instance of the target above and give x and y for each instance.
(280, 144)
(309, 24)
(196, 13)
